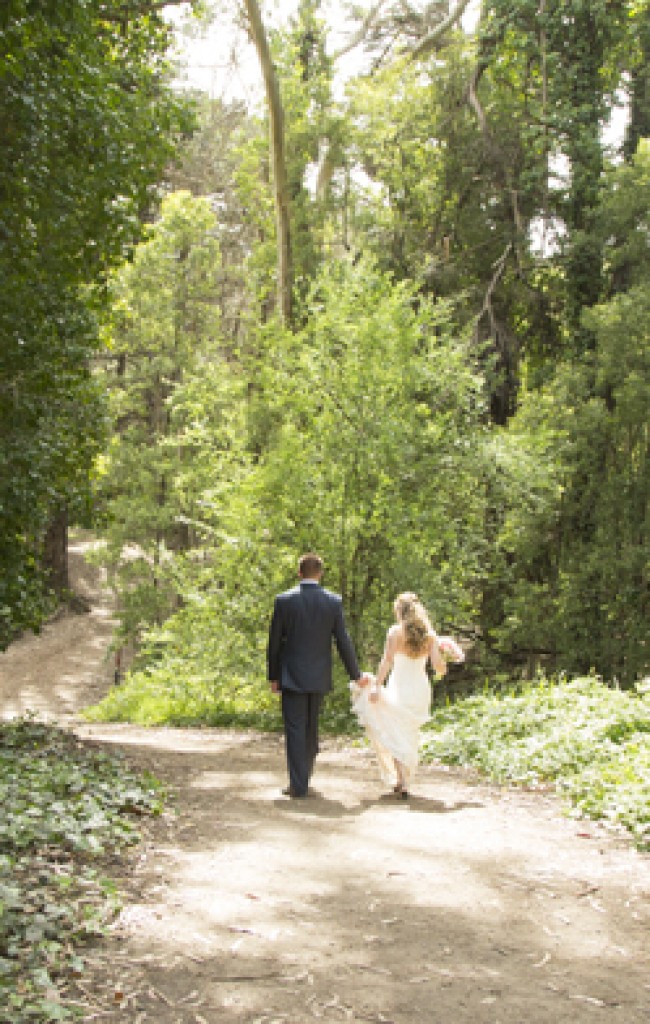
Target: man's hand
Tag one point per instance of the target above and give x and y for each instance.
(275, 686)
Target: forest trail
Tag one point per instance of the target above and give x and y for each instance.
(468, 904)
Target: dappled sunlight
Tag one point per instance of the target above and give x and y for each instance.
(462, 895)
(243, 906)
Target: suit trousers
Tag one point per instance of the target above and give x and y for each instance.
(300, 713)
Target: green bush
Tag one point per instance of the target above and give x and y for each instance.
(591, 742)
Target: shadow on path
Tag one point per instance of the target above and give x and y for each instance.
(466, 904)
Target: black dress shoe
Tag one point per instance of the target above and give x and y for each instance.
(290, 791)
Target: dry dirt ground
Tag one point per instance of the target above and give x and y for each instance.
(468, 904)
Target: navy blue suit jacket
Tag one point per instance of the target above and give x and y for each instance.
(299, 654)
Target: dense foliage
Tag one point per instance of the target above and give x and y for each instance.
(578, 561)
(88, 120)
(325, 453)
(64, 806)
(588, 741)
(459, 402)
(457, 408)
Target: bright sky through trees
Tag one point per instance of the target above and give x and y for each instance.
(221, 61)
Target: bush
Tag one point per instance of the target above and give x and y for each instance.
(589, 741)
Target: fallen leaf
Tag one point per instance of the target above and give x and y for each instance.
(160, 995)
(545, 959)
(588, 890)
(186, 999)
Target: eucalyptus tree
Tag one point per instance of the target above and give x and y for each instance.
(297, 74)
(260, 38)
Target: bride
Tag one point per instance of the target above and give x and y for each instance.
(393, 714)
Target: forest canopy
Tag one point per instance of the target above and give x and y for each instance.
(403, 326)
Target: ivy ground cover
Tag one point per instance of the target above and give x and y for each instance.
(589, 741)
(65, 806)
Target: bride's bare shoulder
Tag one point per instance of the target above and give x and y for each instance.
(395, 638)
(394, 634)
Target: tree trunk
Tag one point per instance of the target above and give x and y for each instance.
(639, 126)
(278, 158)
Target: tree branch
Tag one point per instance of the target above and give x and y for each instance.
(430, 41)
(498, 266)
(362, 31)
(475, 103)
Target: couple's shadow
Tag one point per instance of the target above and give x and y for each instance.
(317, 805)
(425, 804)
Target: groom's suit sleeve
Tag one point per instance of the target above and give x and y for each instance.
(274, 647)
(344, 644)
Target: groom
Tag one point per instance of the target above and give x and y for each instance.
(299, 658)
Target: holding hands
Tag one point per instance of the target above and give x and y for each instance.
(367, 679)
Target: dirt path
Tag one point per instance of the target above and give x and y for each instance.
(470, 904)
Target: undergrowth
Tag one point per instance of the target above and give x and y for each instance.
(590, 742)
(64, 806)
(186, 695)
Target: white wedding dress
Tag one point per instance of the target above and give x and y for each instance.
(393, 722)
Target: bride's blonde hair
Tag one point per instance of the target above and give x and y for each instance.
(412, 614)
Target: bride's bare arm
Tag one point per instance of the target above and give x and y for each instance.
(435, 656)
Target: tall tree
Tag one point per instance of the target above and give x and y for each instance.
(88, 119)
(278, 157)
(164, 333)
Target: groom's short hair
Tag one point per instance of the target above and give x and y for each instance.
(310, 565)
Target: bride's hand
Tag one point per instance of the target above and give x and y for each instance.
(450, 650)
(374, 695)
